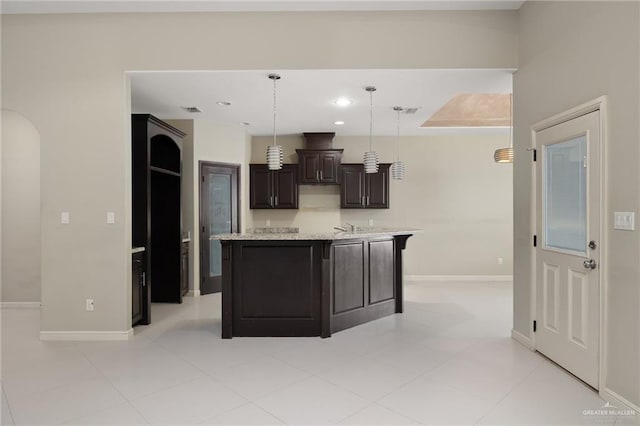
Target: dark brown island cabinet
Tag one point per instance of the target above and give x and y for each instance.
(273, 189)
(360, 190)
(309, 287)
(319, 166)
(157, 206)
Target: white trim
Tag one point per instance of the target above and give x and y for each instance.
(617, 400)
(20, 305)
(193, 293)
(460, 278)
(522, 339)
(598, 104)
(86, 335)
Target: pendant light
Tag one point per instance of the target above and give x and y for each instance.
(370, 157)
(505, 155)
(397, 167)
(274, 152)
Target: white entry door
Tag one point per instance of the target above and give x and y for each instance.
(568, 246)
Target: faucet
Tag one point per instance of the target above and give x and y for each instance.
(348, 228)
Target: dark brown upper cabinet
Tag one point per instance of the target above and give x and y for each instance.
(273, 189)
(319, 166)
(360, 190)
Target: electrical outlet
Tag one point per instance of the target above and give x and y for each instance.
(111, 218)
(267, 223)
(370, 222)
(90, 304)
(64, 218)
(500, 261)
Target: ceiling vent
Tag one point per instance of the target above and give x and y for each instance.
(411, 110)
(192, 109)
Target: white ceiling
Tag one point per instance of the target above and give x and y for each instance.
(305, 98)
(113, 6)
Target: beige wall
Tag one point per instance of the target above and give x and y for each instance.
(587, 49)
(66, 74)
(453, 190)
(20, 209)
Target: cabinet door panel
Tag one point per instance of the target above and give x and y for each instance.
(136, 288)
(329, 167)
(286, 187)
(381, 271)
(353, 186)
(309, 167)
(261, 183)
(378, 188)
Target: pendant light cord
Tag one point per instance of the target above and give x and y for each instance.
(274, 111)
(398, 135)
(370, 120)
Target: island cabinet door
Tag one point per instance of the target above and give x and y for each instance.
(352, 190)
(286, 187)
(261, 183)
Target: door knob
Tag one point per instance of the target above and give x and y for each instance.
(590, 264)
(592, 245)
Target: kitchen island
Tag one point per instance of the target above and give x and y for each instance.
(297, 284)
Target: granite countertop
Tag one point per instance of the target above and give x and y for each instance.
(137, 250)
(330, 236)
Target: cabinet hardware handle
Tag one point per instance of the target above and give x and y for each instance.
(276, 203)
(317, 175)
(368, 200)
(271, 200)
(144, 280)
(362, 201)
(321, 177)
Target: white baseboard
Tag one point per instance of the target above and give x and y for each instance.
(619, 401)
(521, 338)
(193, 293)
(86, 335)
(20, 305)
(460, 278)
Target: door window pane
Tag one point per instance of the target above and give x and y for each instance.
(220, 220)
(565, 200)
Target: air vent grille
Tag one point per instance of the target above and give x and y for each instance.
(410, 110)
(192, 109)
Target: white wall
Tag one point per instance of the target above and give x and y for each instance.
(20, 209)
(453, 190)
(66, 74)
(586, 50)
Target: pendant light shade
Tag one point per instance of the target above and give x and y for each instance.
(274, 152)
(505, 155)
(370, 157)
(397, 167)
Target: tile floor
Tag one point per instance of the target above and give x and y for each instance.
(447, 360)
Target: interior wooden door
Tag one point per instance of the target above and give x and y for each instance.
(219, 214)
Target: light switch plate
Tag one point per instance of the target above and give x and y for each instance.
(625, 221)
(64, 218)
(111, 217)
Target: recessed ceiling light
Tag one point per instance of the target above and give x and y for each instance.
(223, 103)
(343, 102)
(338, 123)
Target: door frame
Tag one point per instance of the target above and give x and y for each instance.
(201, 213)
(598, 104)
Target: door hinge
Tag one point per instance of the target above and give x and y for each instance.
(535, 154)
(535, 241)
(535, 326)
(203, 229)
(203, 178)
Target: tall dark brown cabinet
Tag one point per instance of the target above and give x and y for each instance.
(156, 204)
